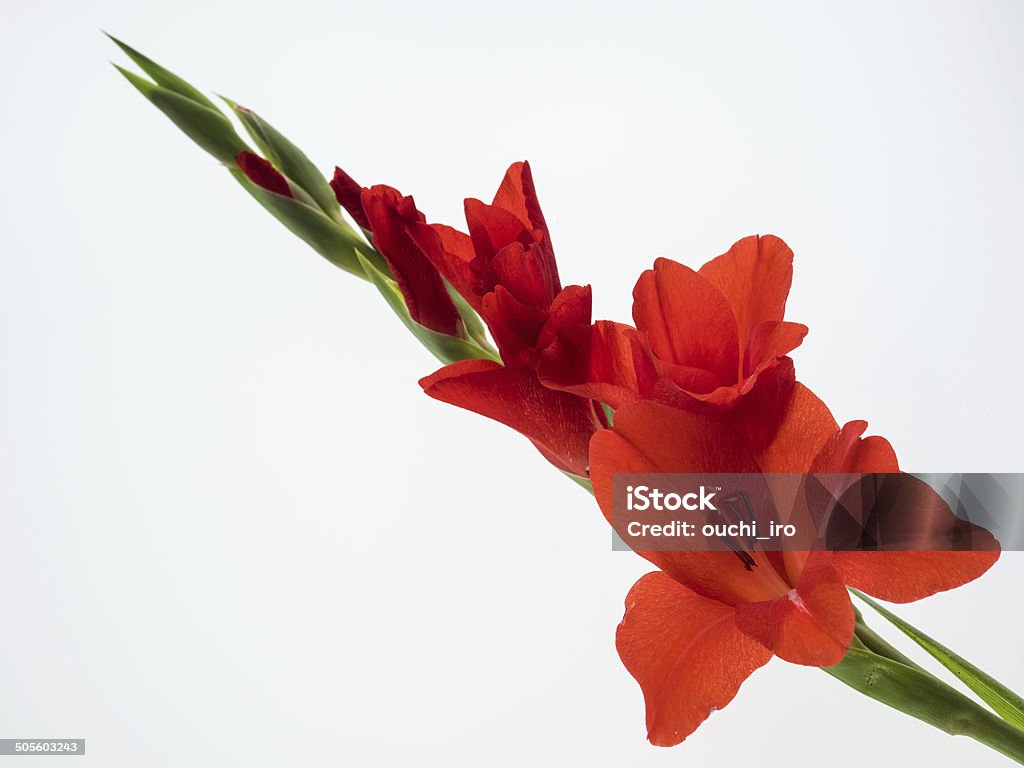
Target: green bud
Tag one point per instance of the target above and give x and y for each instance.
(288, 159)
(206, 126)
(163, 77)
(336, 243)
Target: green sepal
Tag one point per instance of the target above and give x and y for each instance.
(338, 244)
(163, 77)
(288, 159)
(1004, 702)
(609, 413)
(206, 126)
(474, 325)
(582, 482)
(447, 349)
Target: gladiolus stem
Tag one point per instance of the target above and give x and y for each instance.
(920, 694)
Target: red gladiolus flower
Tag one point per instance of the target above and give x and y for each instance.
(262, 173)
(506, 271)
(701, 338)
(505, 268)
(696, 629)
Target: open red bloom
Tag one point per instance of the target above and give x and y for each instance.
(695, 630)
(505, 268)
(701, 338)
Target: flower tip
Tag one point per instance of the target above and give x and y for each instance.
(348, 193)
(235, 107)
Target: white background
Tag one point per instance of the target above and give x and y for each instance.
(234, 532)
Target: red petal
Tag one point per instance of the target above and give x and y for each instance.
(771, 340)
(781, 422)
(684, 385)
(518, 195)
(511, 254)
(390, 215)
(754, 276)
(559, 424)
(902, 577)
(805, 427)
(263, 174)
(570, 309)
(812, 624)
(492, 228)
(841, 458)
(672, 440)
(607, 361)
(755, 409)
(687, 320)
(451, 252)
(527, 272)
(686, 653)
(349, 196)
(514, 325)
(919, 512)
(846, 452)
(760, 413)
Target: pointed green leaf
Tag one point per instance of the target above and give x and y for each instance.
(207, 127)
(1004, 702)
(163, 77)
(288, 159)
(447, 349)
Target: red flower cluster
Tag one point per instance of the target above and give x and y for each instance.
(701, 383)
(505, 269)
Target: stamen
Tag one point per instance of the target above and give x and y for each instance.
(745, 557)
(733, 504)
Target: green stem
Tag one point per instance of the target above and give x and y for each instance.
(919, 694)
(1003, 701)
